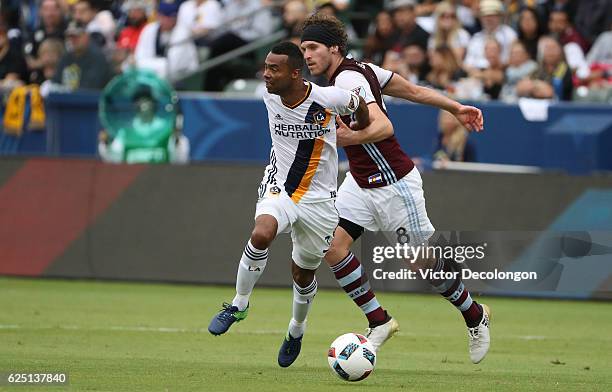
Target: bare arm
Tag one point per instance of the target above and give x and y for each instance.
(379, 128)
(469, 116)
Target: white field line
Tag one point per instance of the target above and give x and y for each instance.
(204, 330)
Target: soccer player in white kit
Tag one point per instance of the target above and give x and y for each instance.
(298, 189)
(383, 190)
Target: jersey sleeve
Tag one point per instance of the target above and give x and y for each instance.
(342, 102)
(357, 83)
(383, 75)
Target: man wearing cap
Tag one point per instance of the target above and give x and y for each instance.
(409, 32)
(83, 66)
(136, 11)
(100, 24)
(165, 47)
(491, 13)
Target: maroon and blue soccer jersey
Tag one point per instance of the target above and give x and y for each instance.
(379, 164)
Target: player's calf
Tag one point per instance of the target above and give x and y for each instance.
(304, 291)
(252, 264)
(455, 291)
(351, 276)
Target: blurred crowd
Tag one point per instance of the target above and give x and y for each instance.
(470, 49)
(492, 49)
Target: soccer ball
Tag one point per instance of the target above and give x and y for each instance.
(351, 357)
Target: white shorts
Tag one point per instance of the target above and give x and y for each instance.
(311, 225)
(388, 209)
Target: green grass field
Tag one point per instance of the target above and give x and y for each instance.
(152, 337)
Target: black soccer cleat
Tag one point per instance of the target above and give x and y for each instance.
(289, 351)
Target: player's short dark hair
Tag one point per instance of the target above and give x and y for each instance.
(292, 51)
(331, 24)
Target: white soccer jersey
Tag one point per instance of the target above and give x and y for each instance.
(356, 82)
(304, 159)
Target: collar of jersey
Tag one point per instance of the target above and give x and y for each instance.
(301, 101)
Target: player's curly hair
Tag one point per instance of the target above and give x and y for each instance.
(333, 25)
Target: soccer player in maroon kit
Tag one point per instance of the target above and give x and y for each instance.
(383, 190)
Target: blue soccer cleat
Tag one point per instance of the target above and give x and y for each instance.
(225, 318)
(289, 351)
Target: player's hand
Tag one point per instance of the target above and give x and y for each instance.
(345, 136)
(470, 117)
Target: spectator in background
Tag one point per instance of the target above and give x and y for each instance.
(601, 52)
(520, 67)
(453, 141)
(418, 65)
(530, 29)
(49, 54)
(574, 46)
(100, 24)
(514, 9)
(341, 5)
(52, 25)
(137, 15)
(600, 60)
(553, 79)
(592, 17)
(448, 31)
(165, 47)
(13, 69)
(466, 14)
(394, 62)
(329, 8)
(545, 7)
(426, 7)
(492, 76)
(408, 31)
(381, 40)
(560, 27)
(28, 12)
(136, 11)
(294, 13)
(411, 63)
(9, 17)
(445, 69)
(200, 17)
(491, 13)
(245, 22)
(83, 66)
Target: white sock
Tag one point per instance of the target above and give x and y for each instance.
(302, 299)
(296, 329)
(252, 264)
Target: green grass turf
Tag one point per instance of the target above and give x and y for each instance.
(108, 337)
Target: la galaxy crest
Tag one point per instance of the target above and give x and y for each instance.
(321, 117)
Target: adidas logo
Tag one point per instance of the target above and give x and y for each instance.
(278, 117)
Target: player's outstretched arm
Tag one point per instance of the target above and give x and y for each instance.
(378, 129)
(469, 116)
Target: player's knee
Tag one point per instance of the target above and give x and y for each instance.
(423, 263)
(262, 237)
(339, 248)
(302, 277)
(335, 253)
